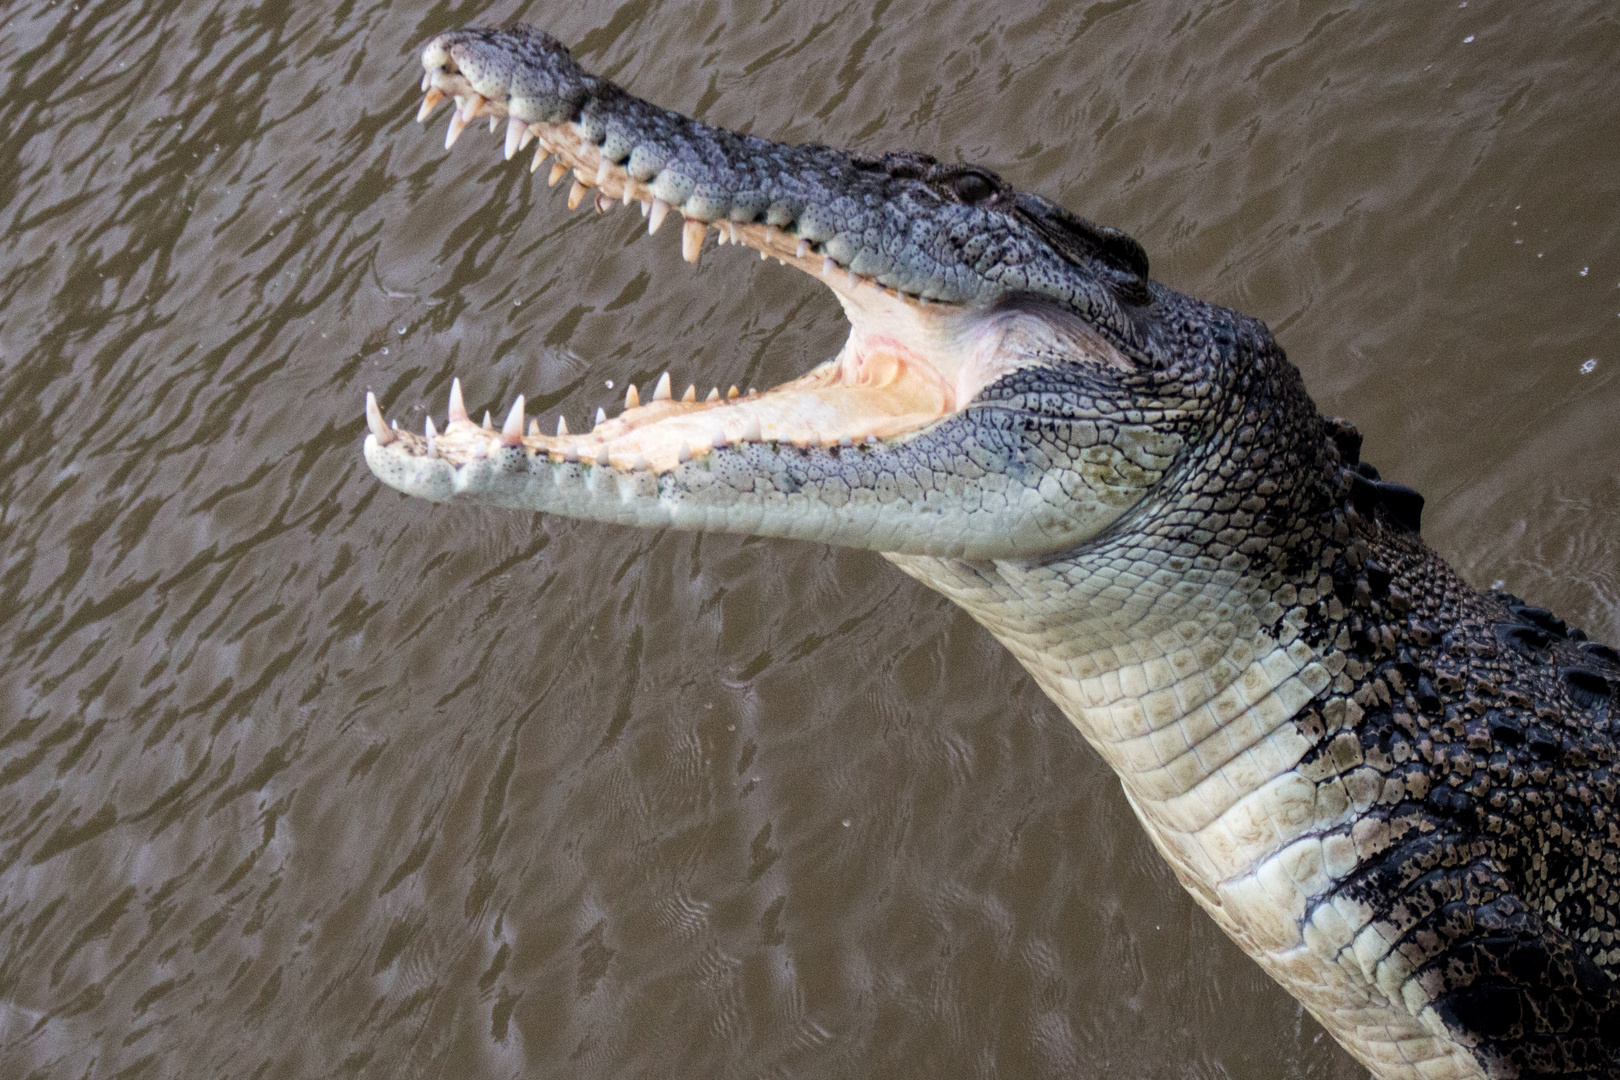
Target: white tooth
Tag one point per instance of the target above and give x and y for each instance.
(683, 454)
(803, 249)
(718, 439)
(512, 430)
(540, 156)
(457, 125)
(736, 237)
(427, 80)
(374, 420)
(562, 426)
(655, 217)
(428, 428)
(779, 262)
(661, 391)
(632, 397)
(714, 394)
(429, 103)
(528, 135)
(763, 255)
(571, 453)
(603, 168)
(752, 432)
(576, 194)
(639, 463)
(601, 417)
(602, 455)
(514, 136)
(646, 206)
(487, 425)
(722, 236)
(480, 449)
(394, 424)
(432, 438)
(692, 239)
(626, 197)
(558, 171)
(534, 428)
(494, 122)
(602, 203)
(871, 438)
(827, 266)
(458, 406)
(846, 441)
(691, 394)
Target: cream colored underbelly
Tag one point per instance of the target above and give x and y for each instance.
(1263, 847)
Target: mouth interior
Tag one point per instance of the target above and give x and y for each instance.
(907, 364)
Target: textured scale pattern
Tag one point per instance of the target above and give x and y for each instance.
(1394, 792)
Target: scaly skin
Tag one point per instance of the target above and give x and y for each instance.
(1394, 792)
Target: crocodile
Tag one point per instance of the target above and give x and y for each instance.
(1393, 791)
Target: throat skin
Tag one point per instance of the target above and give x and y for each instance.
(1187, 658)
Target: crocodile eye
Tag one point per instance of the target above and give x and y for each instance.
(970, 187)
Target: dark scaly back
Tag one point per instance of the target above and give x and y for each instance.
(1495, 848)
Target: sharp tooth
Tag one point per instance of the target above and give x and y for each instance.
(427, 427)
(429, 103)
(683, 454)
(602, 455)
(487, 425)
(374, 420)
(458, 124)
(661, 391)
(512, 430)
(514, 136)
(646, 205)
(722, 236)
(576, 194)
(427, 80)
(458, 406)
(529, 134)
(691, 394)
(601, 417)
(632, 399)
(718, 439)
(432, 438)
(480, 449)
(494, 122)
(571, 453)
(562, 426)
(692, 239)
(803, 249)
(540, 156)
(627, 196)
(736, 237)
(603, 168)
(731, 393)
(558, 171)
(655, 217)
(639, 463)
(534, 428)
(752, 432)
(763, 255)
(871, 439)
(602, 203)
(714, 394)
(827, 266)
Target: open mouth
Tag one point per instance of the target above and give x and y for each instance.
(908, 363)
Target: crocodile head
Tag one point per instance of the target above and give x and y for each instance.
(1011, 385)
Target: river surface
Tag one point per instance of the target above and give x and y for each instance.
(299, 777)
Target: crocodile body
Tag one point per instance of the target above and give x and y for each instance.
(1390, 789)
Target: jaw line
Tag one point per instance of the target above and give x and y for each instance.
(908, 362)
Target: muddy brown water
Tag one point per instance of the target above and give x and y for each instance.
(299, 777)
